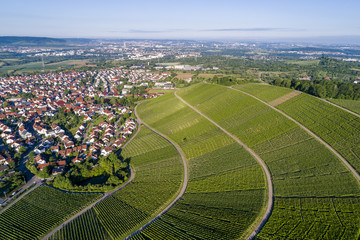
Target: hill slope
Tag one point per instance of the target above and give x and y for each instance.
(31, 41)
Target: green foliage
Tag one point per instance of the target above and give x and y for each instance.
(5, 104)
(27, 95)
(107, 173)
(112, 164)
(10, 183)
(69, 121)
(226, 81)
(323, 88)
(32, 154)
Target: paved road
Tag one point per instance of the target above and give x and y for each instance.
(310, 132)
(185, 181)
(270, 202)
(132, 175)
(85, 135)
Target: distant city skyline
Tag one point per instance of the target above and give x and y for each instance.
(212, 20)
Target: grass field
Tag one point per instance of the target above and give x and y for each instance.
(300, 166)
(169, 64)
(352, 105)
(40, 211)
(158, 177)
(161, 91)
(209, 75)
(303, 62)
(226, 190)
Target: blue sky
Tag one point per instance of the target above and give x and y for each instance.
(226, 19)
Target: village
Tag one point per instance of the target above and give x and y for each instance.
(51, 121)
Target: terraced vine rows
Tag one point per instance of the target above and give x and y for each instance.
(338, 128)
(262, 91)
(314, 193)
(40, 211)
(226, 191)
(158, 177)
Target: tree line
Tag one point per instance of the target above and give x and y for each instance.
(322, 88)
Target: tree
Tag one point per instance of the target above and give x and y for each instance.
(62, 182)
(31, 154)
(319, 91)
(22, 149)
(17, 157)
(5, 104)
(114, 180)
(112, 164)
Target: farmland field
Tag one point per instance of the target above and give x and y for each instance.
(38, 66)
(154, 90)
(352, 105)
(335, 126)
(158, 177)
(40, 211)
(302, 169)
(226, 191)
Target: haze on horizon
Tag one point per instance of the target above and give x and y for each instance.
(232, 20)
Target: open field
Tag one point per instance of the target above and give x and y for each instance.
(161, 91)
(209, 75)
(169, 64)
(40, 211)
(301, 167)
(352, 105)
(158, 177)
(77, 63)
(38, 66)
(338, 128)
(226, 191)
(304, 62)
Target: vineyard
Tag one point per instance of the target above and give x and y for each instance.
(302, 169)
(315, 195)
(266, 93)
(335, 126)
(86, 226)
(158, 177)
(226, 191)
(352, 105)
(40, 211)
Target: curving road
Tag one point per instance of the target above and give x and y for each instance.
(270, 202)
(185, 181)
(308, 131)
(132, 175)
